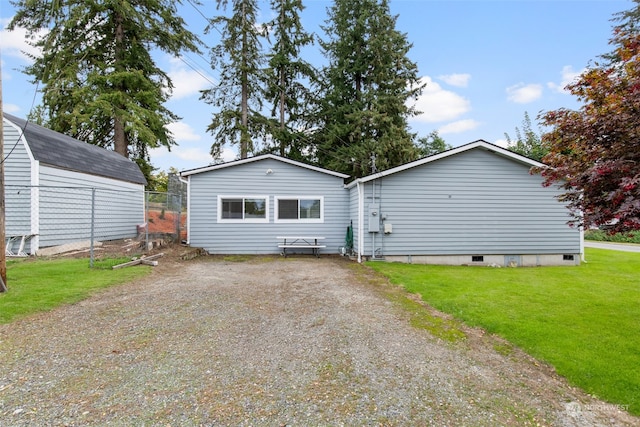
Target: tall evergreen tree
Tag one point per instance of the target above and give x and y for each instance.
(369, 79)
(432, 144)
(289, 78)
(100, 83)
(527, 142)
(240, 92)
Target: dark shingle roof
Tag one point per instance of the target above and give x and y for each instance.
(62, 151)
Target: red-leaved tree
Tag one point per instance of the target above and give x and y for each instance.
(594, 152)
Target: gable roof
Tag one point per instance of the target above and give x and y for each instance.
(55, 149)
(259, 158)
(479, 144)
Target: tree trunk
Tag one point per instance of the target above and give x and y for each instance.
(283, 143)
(120, 143)
(244, 133)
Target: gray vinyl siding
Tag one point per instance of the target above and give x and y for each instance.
(476, 202)
(353, 210)
(65, 199)
(55, 203)
(17, 174)
(251, 179)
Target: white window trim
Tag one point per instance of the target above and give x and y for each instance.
(247, 220)
(298, 221)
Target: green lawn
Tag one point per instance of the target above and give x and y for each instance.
(40, 285)
(584, 320)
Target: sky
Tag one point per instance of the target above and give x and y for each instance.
(486, 63)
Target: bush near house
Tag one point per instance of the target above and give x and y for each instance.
(604, 236)
(583, 320)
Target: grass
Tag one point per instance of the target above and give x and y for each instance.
(419, 317)
(42, 285)
(585, 321)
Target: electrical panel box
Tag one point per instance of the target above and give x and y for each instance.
(374, 218)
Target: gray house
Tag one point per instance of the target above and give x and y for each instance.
(242, 207)
(57, 189)
(475, 204)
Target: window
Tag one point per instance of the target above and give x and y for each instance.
(243, 209)
(299, 209)
(477, 258)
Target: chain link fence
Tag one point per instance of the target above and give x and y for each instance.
(49, 220)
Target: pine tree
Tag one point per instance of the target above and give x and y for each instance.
(289, 78)
(99, 81)
(432, 144)
(368, 82)
(527, 142)
(239, 94)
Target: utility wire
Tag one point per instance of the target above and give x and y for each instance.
(26, 123)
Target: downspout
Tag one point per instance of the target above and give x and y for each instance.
(360, 221)
(188, 181)
(582, 255)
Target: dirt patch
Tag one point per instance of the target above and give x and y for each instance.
(166, 222)
(271, 341)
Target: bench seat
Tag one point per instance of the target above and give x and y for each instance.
(303, 246)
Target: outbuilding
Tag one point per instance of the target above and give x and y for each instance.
(477, 204)
(60, 190)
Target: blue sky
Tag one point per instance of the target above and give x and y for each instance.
(486, 63)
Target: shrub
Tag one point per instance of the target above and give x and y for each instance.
(604, 236)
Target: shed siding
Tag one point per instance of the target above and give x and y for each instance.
(353, 211)
(476, 202)
(65, 207)
(251, 179)
(17, 174)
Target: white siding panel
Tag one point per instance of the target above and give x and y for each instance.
(65, 207)
(17, 174)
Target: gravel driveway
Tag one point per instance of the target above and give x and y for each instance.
(273, 342)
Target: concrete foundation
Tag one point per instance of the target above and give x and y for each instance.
(490, 260)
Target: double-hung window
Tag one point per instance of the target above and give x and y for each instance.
(243, 208)
(299, 209)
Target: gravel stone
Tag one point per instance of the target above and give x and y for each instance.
(267, 341)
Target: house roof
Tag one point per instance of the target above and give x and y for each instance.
(259, 158)
(55, 149)
(479, 144)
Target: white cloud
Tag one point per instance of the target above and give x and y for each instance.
(14, 43)
(183, 132)
(187, 82)
(457, 80)
(524, 93)
(501, 143)
(439, 105)
(568, 76)
(10, 108)
(459, 126)
(228, 154)
(193, 154)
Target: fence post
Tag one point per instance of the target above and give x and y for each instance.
(146, 225)
(93, 211)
